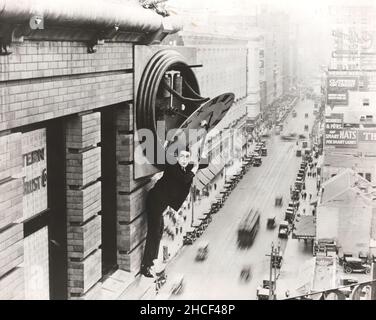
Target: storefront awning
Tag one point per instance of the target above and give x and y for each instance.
(205, 176)
(305, 227)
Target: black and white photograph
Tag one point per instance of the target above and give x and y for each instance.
(187, 150)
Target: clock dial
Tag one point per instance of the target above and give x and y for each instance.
(212, 112)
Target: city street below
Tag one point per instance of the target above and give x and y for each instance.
(218, 277)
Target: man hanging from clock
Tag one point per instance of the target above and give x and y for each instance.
(171, 190)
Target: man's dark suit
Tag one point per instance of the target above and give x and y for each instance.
(171, 190)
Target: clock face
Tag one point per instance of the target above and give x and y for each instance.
(210, 113)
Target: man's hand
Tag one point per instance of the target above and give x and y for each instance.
(195, 167)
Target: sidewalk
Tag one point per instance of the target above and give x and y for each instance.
(296, 256)
(297, 265)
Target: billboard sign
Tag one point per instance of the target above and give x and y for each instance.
(338, 87)
(367, 135)
(342, 138)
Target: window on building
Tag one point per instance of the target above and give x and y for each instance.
(365, 102)
(368, 177)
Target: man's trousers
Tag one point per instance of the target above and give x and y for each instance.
(155, 207)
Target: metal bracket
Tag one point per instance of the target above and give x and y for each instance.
(92, 44)
(100, 38)
(4, 48)
(12, 34)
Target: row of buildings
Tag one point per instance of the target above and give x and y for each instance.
(346, 208)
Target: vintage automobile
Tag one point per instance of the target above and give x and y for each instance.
(295, 194)
(257, 161)
(245, 273)
(306, 115)
(287, 137)
(257, 150)
(345, 255)
(160, 276)
(264, 152)
(306, 127)
(283, 231)
(278, 201)
(270, 222)
(290, 215)
(202, 251)
(177, 284)
(299, 184)
(352, 265)
(299, 153)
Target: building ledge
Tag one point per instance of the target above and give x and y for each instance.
(83, 20)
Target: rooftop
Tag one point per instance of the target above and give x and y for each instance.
(345, 181)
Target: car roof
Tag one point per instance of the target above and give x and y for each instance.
(352, 259)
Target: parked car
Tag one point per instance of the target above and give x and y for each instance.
(351, 265)
(203, 250)
(177, 284)
(245, 273)
(283, 231)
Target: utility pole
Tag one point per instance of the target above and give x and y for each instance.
(271, 273)
(193, 194)
(274, 257)
(373, 286)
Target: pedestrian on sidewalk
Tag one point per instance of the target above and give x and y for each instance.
(310, 196)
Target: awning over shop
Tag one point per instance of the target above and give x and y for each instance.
(305, 227)
(206, 175)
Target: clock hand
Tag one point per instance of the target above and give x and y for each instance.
(209, 121)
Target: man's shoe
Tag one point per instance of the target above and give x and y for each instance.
(145, 271)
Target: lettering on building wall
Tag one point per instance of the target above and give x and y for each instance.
(35, 183)
(338, 87)
(34, 155)
(340, 137)
(367, 136)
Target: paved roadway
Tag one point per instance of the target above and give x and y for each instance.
(218, 277)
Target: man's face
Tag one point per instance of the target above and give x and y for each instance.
(184, 157)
